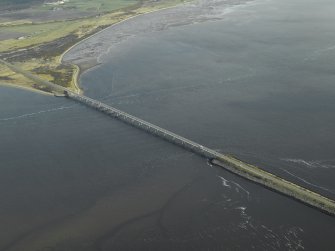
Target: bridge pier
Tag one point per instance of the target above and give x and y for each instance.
(229, 163)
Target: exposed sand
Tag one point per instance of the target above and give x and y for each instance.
(90, 52)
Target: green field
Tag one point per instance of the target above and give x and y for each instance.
(40, 45)
(95, 5)
(105, 5)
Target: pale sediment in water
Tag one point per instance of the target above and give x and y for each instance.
(90, 52)
(277, 184)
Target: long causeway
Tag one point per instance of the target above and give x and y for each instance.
(229, 163)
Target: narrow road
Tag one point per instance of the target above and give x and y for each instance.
(229, 163)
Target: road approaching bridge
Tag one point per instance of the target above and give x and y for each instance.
(144, 125)
(56, 89)
(229, 163)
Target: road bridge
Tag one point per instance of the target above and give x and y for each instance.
(229, 163)
(146, 126)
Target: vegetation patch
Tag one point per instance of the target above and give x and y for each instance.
(41, 48)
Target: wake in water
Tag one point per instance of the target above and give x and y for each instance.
(237, 187)
(319, 53)
(307, 182)
(312, 163)
(268, 238)
(27, 115)
(132, 98)
(224, 181)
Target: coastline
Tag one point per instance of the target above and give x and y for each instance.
(74, 178)
(76, 56)
(45, 58)
(77, 72)
(276, 183)
(85, 56)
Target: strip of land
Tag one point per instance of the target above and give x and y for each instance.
(58, 45)
(275, 183)
(38, 45)
(229, 163)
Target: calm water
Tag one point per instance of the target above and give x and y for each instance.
(258, 84)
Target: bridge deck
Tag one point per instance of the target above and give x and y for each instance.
(144, 125)
(229, 163)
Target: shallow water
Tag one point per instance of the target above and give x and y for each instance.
(257, 84)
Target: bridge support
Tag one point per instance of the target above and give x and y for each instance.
(229, 163)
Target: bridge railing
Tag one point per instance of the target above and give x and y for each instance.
(144, 125)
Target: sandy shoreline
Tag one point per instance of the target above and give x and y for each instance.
(89, 52)
(79, 70)
(65, 59)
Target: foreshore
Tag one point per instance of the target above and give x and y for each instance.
(43, 56)
(78, 71)
(78, 45)
(89, 52)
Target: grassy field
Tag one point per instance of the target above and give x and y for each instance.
(40, 49)
(12, 77)
(42, 32)
(94, 5)
(106, 5)
(45, 32)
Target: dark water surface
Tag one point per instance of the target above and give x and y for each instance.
(258, 84)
